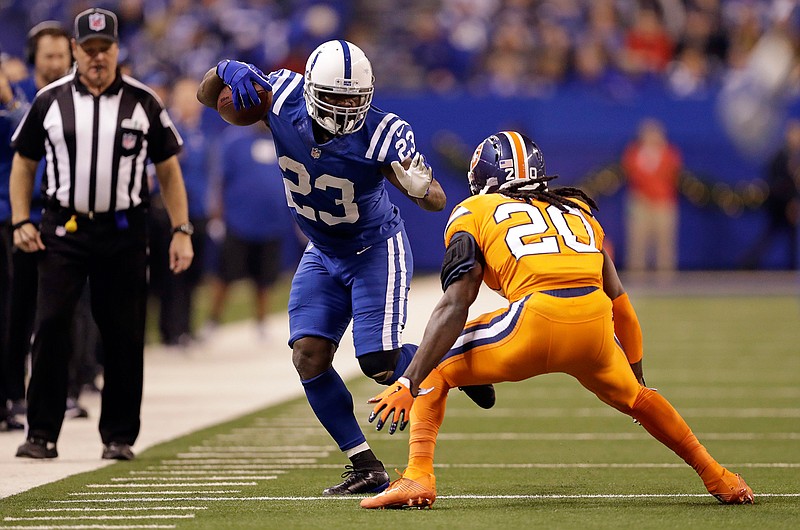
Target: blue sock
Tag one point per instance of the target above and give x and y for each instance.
(333, 404)
(407, 352)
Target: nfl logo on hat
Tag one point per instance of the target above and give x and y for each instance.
(97, 22)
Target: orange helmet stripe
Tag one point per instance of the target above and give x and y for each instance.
(520, 156)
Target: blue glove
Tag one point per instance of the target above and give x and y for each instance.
(240, 77)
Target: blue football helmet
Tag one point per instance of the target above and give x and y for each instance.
(338, 86)
(504, 158)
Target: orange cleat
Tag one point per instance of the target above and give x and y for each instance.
(405, 493)
(732, 489)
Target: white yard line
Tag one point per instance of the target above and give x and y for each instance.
(593, 412)
(87, 527)
(117, 509)
(261, 456)
(244, 476)
(588, 436)
(209, 484)
(101, 517)
(176, 492)
(482, 497)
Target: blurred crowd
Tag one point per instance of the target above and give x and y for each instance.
(505, 47)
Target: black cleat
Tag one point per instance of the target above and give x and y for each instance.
(360, 481)
(117, 451)
(482, 395)
(37, 448)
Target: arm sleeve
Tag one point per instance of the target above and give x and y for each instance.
(627, 328)
(461, 255)
(29, 137)
(164, 140)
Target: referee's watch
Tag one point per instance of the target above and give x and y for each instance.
(186, 228)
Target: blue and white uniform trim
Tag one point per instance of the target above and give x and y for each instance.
(490, 332)
(396, 289)
(382, 136)
(287, 82)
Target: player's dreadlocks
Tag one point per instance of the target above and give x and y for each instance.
(536, 189)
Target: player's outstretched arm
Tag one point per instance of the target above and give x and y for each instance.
(445, 324)
(626, 323)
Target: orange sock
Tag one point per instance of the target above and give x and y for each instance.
(662, 421)
(427, 415)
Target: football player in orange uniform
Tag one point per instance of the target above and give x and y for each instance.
(542, 249)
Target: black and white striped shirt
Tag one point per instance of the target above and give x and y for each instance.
(96, 148)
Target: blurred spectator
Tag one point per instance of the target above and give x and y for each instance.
(256, 221)
(48, 53)
(688, 74)
(10, 114)
(782, 205)
(440, 46)
(176, 291)
(648, 46)
(652, 167)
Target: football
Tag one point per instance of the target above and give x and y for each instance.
(243, 116)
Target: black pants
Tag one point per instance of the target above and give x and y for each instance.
(114, 258)
(175, 291)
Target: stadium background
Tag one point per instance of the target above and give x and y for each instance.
(459, 70)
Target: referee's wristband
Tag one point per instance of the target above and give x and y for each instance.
(17, 226)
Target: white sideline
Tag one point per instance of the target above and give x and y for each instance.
(230, 375)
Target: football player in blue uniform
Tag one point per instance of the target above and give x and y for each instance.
(335, 150)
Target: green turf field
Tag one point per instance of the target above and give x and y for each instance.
(549, 455)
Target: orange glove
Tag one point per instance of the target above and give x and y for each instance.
(398, 399)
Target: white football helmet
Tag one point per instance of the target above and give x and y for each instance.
(338, 69)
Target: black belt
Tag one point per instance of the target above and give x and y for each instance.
(570, 292)
(55, 207)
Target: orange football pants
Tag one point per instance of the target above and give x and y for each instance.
(544, 334)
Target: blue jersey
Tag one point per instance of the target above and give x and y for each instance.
(336, 190)
(195, 166)
(6, 155)
(252, 195)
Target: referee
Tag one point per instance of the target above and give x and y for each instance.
(97, 129)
